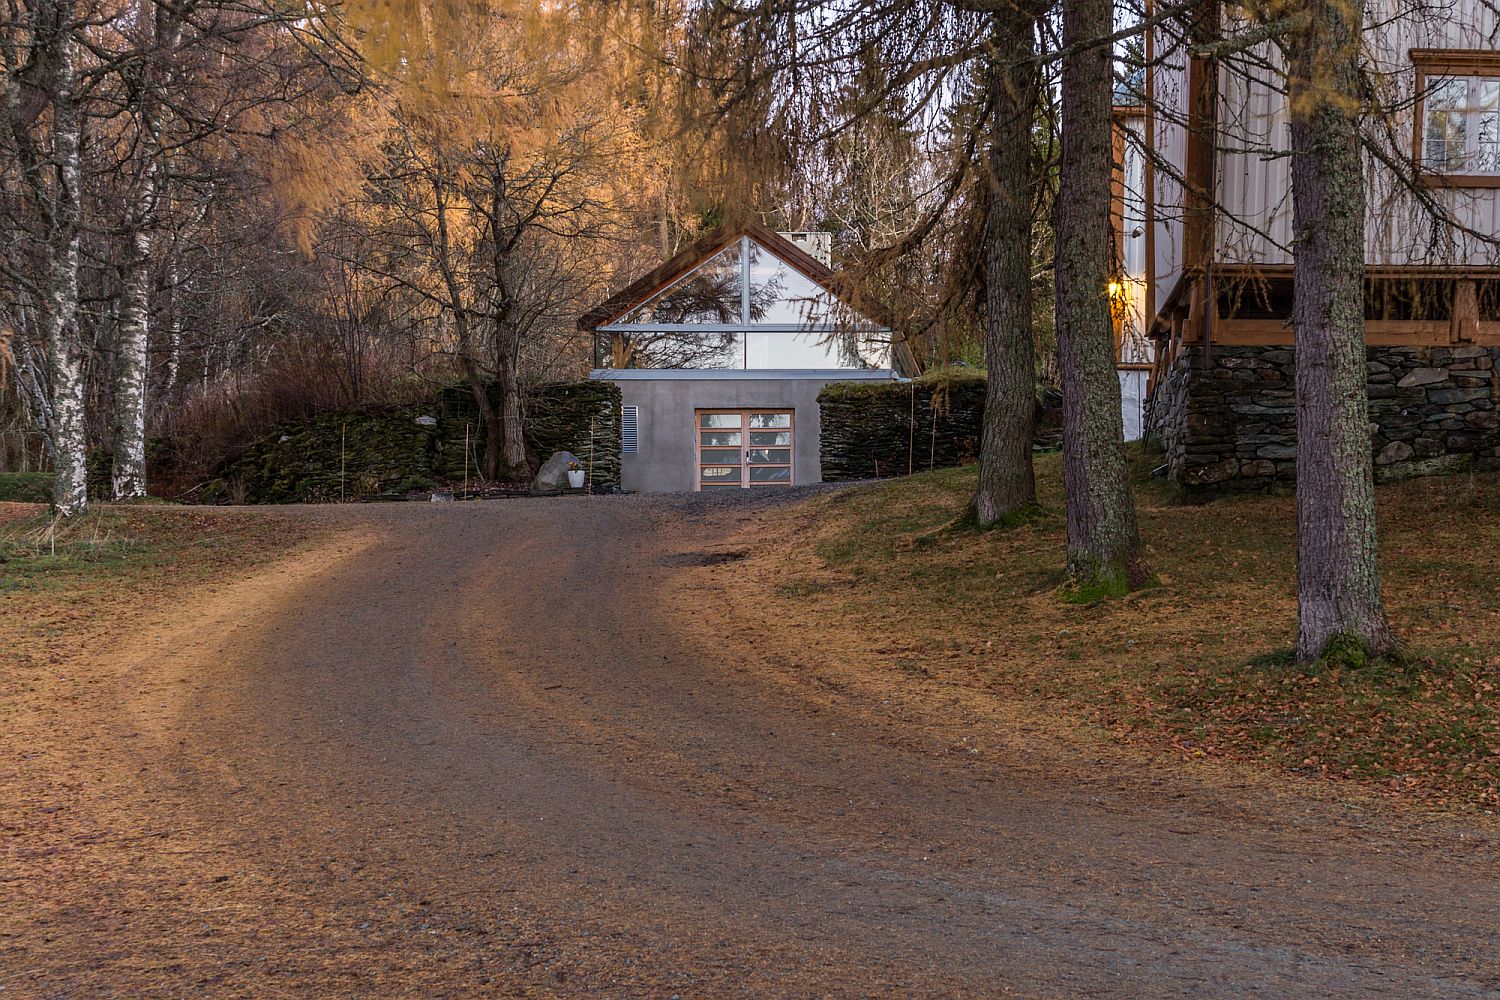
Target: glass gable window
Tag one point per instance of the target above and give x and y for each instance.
(713, 293)
(1460, 133)
(747, 308)
(781, 295)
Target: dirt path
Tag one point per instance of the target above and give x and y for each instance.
(502, 748)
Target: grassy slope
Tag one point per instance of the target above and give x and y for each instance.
(1198, 665)
(25, 487)
(61, 591)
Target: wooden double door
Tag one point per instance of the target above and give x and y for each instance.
(744, 449)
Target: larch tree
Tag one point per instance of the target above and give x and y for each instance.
(800, 79)
(1006, 484)
(1104, 546)
(1339, 604)
(490, 182)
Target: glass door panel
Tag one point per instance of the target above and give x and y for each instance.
(741, 449)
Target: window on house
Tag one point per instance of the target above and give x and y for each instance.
(1458, 116)
(745, 307)
(712, 293)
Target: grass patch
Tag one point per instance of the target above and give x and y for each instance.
(1201, 663)
(46, 550)
(25, 487)
(62, 582)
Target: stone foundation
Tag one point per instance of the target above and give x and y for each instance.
(1231, 424)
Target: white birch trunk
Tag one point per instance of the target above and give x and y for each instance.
(30, 381)
(129, 473)
(64, 343)
(172, 363)
(132, 364)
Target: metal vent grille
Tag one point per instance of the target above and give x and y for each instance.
(630, 417)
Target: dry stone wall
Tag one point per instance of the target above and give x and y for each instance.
(1230, 424)
(874, 429)
(391, 451)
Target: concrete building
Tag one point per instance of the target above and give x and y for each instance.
(720, 354)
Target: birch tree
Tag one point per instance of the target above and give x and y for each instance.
(43, 118)
(157, 32)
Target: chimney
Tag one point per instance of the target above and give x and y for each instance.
(817, 245)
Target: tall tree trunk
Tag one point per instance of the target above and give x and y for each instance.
(129, 437)
(1338, 578)
(64, 341)
(489, 419)
(1007, 484)
(30, 382)
(1104, 549)
(513, 465)
(162, 30)
(172, 363)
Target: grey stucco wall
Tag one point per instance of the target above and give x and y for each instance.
(666, 460)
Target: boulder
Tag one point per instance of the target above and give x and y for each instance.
(553, 475)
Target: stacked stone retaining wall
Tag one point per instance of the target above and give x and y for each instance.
(1230, 424)
(874, 429)
(391, 451)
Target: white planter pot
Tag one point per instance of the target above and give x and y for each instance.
(575, 478)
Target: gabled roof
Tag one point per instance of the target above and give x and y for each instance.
(658, 278)
(648, 285)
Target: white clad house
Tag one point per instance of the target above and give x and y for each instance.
(1204, 216)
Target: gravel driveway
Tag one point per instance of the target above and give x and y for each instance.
(466, 750)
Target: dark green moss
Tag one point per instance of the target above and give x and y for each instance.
(1350, 654)
(1104, 583)
(1098, 586)
(26, 487)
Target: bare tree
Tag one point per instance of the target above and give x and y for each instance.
(52, 171)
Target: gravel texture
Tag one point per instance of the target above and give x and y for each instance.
(509, 749)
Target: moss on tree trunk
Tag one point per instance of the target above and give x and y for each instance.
(1104, 549)
(1338, 581)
